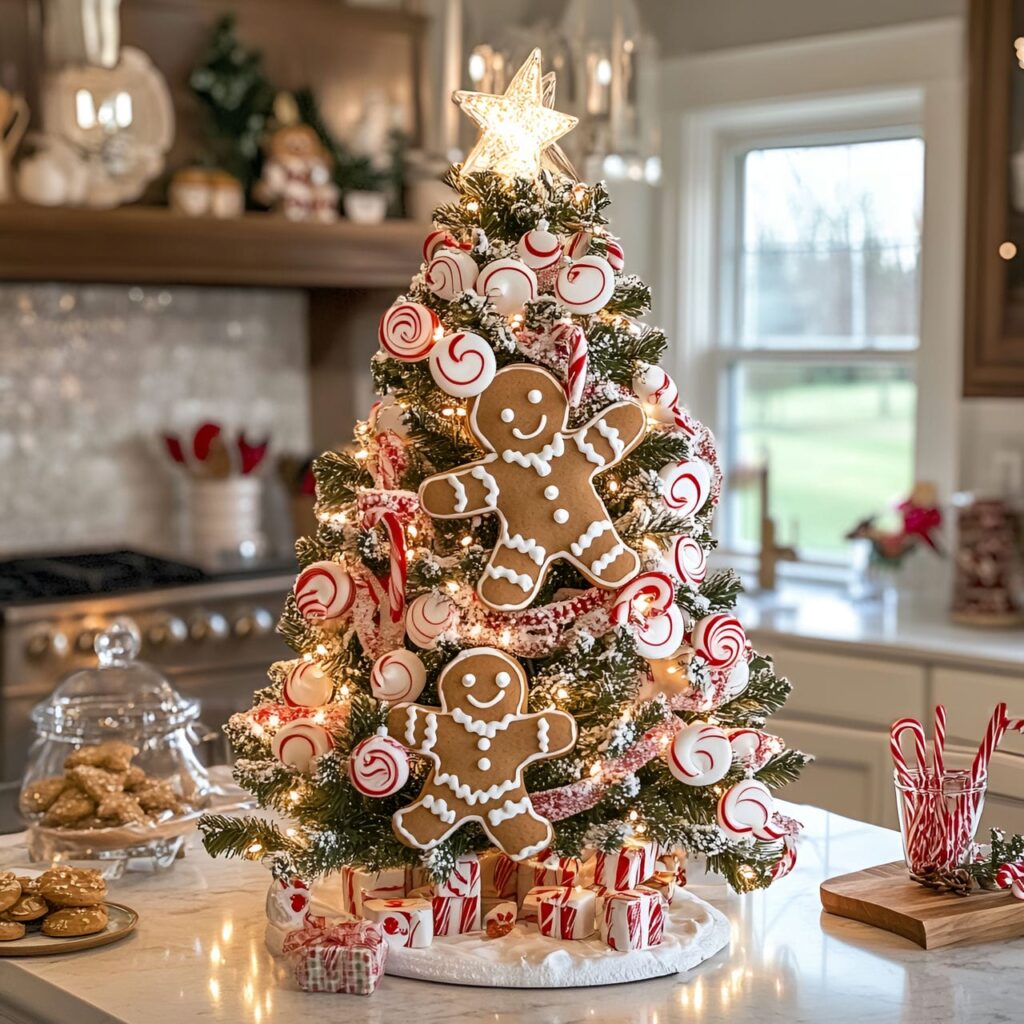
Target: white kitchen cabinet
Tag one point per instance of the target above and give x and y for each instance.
(974, 695)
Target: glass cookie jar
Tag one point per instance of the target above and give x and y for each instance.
(113, 774)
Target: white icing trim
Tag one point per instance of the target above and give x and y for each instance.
(430, 737)
(476, 796)
(509, 810)
(540, 461)
(592, 532)
(485, 704)
(516, 432)
(525, 546)
(611, 435)
(461, 499)
(501, 572)
(599, 565)
(542, 735)
(490, 485)
(410, 726)
(439, 808)
(488, 729)
(586, 448)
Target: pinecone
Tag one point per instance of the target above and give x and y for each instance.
(957, 882)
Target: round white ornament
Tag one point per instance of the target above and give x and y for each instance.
(306, 686)
(737, 680)
(650, 593)
(700, 755)
(408, 331)
(428, 617)
(324, 592)
(463, 364)
(539, 248)
(745, 812)
(586, 285)
(657, 393)
(744, 743)
(509, 284)
(688, 560)
(378, 766)
(450, 273)
(687, 486)
(661, 636)
(299, 743)
(398, 677)
(440, 239)
(720, 640)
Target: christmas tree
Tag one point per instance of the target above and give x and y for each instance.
(505, 627)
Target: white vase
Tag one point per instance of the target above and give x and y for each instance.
(365, 207)
(226, 520)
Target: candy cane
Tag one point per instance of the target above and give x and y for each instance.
(1011, 875)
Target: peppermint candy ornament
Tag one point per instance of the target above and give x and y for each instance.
(737, 680)
(586, 285)
(397, 677)
(463, 364)
(648, 604)
(441, 239)
(700, 755)
(509, 284)
(539, 249)
(687, 486)
(324, 592)
(657, 393)
(745, 812)
(378, 766)
(299, 743)
(688, 560)
(578, 245)
(720, 640)
(306, 686)
(744, 743)
(661, 636)
(408, 331)
(615, 255)
(787, 861)
(450, 273)
(428, 617)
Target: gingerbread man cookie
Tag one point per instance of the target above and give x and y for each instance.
(539, 479)
(479, 741)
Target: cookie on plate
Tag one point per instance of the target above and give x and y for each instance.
(135, 778)
(11, 930)
(28, 908)
(72, 887)
(40, 795)
(158, 796)
(70, 807)
(113, 755)
(73, 921)
(10, 889)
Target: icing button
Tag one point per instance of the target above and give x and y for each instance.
(468, 680)
(483, 764)
(551, 492)
(534, 396)
(560, 516)
(503, 679)
(507, 415)
(483, 743)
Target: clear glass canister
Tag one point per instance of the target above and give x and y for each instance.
(113, 774)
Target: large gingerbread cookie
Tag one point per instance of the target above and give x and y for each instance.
(538, 478)
(479, 741)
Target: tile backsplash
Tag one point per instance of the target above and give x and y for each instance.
(91, 375)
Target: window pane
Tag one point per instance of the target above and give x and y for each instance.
(839, 442)
(830, 245)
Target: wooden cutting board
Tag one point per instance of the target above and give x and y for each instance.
(885, 897)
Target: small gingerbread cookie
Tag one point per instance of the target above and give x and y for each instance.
(113, 755)
(39, 796)
(27, 908)
(134, 778)
(69, 808)
(74, 921)
(156, 796)
(97, 783)
(11, 930)
(120, 808)
(10, 890)
(72, 887)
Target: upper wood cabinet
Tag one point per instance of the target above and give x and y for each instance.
(994, 299)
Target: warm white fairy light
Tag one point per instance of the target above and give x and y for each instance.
(344, 691)
(254, 849)
(274, 721)
(321, 650)
(595, 769)
(453, 587)
(561, 693)
(319, 717)
(466, 541)
(295, 796)
(412, 531)
(473, 206)
(307, 657)
(447, 411)
(362, 454)
(633, 815)
(613, 485)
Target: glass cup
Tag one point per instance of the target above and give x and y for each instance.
(939, 817)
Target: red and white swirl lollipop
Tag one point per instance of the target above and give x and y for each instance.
(661, 636)
(720, 640)
(463, 364)
(441, 239)
(509, 284)
(688, 560)
(428, 617)
(578, 245)
(745, 812)
(300, 742)
(687, 486)
(539, 248)
(306, 686)
(650, 593)
(657, 393)
(324, 592)
(408, 331)
(378, 766)
(700, 755)
(586, 285)
(615, 255)
(398, 677)
(450, 273)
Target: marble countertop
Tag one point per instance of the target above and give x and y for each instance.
(198, 956)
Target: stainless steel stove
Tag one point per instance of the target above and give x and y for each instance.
(212, 633)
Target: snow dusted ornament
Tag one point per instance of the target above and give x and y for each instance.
(509, 284)
(700, 755)
(463, 364)
(647, 605)
(299, 743)
(585, 286)
(450, 273)
(378, 766)
(397, 677)
(539, 249)
(657, 393)
(428, 617)
(324, 592)
(306, 686)
(687, 486)
(720, 639)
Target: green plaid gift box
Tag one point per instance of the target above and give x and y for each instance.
(347, 957)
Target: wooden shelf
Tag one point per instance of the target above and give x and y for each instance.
(152, 245)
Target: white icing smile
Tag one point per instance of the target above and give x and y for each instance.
(523, 436)
(484, 704)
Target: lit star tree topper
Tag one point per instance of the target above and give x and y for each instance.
(517, 127)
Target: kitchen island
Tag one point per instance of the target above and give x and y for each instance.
(198, 956)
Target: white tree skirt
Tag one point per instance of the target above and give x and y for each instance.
(694, 931)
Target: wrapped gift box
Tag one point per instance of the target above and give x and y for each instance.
(464, 879)
(547, 870)
(664, 884)
(456, 915)
(568, 914)
(632, 919)
(346, 957)
(346, 889)
(529, 909)
(404, 922)
(498, 875)
(627, 867)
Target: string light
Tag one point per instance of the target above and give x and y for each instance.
(321, 650)
(344, 690)
(291, 833)
(413, 531)
(460, 411)
(362, 454)
(633, 815)
(613, 485)
(254, 849)
(274, 721)
(473, 206)
(641, 828)
(319, 717)
(561, 693)
(438, 335)
(595, 769)
(295, 796)
(466, 541)
(447, 411)
(453, 587)
(307, 657)
(579, 192)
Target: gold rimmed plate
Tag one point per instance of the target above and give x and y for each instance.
(121, 923)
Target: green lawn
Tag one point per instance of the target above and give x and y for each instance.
(838, 451)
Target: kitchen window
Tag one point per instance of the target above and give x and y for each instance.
(818, 329)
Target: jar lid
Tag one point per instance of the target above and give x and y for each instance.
(120, 698)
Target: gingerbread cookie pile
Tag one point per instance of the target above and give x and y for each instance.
(62, 903)
(100, 788)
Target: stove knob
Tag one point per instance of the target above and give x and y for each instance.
(167, 630)
(47, 642)
(210, 625)
(263, 620)
(85, 641)
(255, 622)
